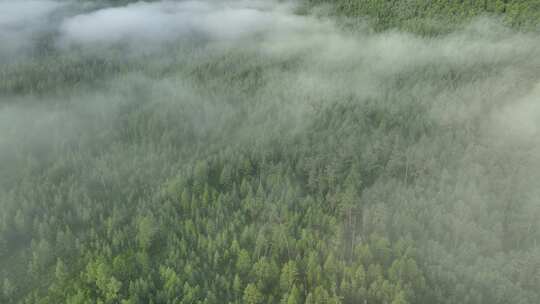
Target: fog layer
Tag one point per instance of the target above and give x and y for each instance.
(105, 105)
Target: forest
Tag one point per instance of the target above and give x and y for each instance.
(265, 151)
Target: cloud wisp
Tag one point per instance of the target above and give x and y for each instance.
(143, 24)
(21, 22)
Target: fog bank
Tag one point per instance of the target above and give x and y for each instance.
(104, 104)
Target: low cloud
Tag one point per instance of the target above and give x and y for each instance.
(145, 24)
(21, 22)
(456, 103)
(518, 122)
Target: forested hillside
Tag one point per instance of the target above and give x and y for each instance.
(257, 152)
(432, 17)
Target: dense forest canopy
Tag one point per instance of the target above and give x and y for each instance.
(317, 152)
(431, 17)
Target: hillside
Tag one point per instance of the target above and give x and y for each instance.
(434, 17)
(261, 152)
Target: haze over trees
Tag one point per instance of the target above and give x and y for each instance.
(429, 17)
(321, 152)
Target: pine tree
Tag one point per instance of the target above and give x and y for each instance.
(252, 295)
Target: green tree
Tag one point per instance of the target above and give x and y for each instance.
(294, 296)
(252, 295)
(8, 289)
(146, 231)
(289, 276)
(243, 262)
